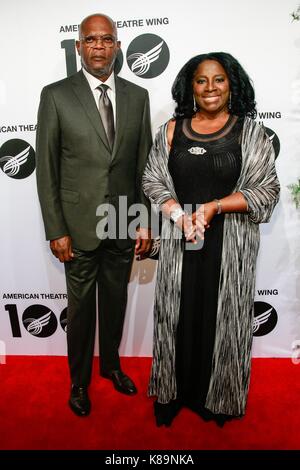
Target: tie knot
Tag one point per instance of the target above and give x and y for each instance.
(103, 88)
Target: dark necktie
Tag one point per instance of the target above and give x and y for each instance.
(107, 115)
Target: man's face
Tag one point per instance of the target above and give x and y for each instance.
(98, 46)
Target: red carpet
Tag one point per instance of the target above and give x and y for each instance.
(34, 412)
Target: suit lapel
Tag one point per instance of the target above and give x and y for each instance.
(84, 94)
(121, 113)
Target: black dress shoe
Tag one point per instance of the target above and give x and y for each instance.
(122, 382)
(79, 401)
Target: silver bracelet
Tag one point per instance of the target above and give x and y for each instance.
(176, 213)
(219, 206)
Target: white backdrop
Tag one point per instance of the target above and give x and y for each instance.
(261, 35)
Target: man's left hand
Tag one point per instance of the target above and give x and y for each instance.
(143, 242)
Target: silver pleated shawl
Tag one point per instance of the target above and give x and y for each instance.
(229, 382)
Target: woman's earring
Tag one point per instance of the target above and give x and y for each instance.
(195, 105)
(229, 102)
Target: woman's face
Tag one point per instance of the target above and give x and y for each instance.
(211, 87)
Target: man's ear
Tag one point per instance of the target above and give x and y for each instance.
(77, 43)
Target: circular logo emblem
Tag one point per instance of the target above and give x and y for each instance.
(63, 319)
(265, 318)
(274, 139)
(17, 158)
(148, 56)
(39, 321)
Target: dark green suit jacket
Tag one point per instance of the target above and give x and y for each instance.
(76, 171)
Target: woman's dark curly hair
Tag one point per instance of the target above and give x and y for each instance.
(242, 92)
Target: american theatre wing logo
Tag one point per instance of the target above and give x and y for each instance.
(39, 321)
(17, 158)
(148, 56)
(265, 318)
(63, 319)
(274, 140)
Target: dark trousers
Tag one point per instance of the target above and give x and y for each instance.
(108, 267)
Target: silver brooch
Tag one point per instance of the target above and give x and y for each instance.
(197, 150)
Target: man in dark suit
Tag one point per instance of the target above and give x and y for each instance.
(92, 146)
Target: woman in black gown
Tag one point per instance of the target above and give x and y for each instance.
(200, 183)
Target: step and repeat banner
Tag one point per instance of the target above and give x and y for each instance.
(38, 47)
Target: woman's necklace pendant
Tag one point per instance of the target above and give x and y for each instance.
(197, 150)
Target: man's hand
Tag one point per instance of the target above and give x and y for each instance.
(143, 242)
(62, 248)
